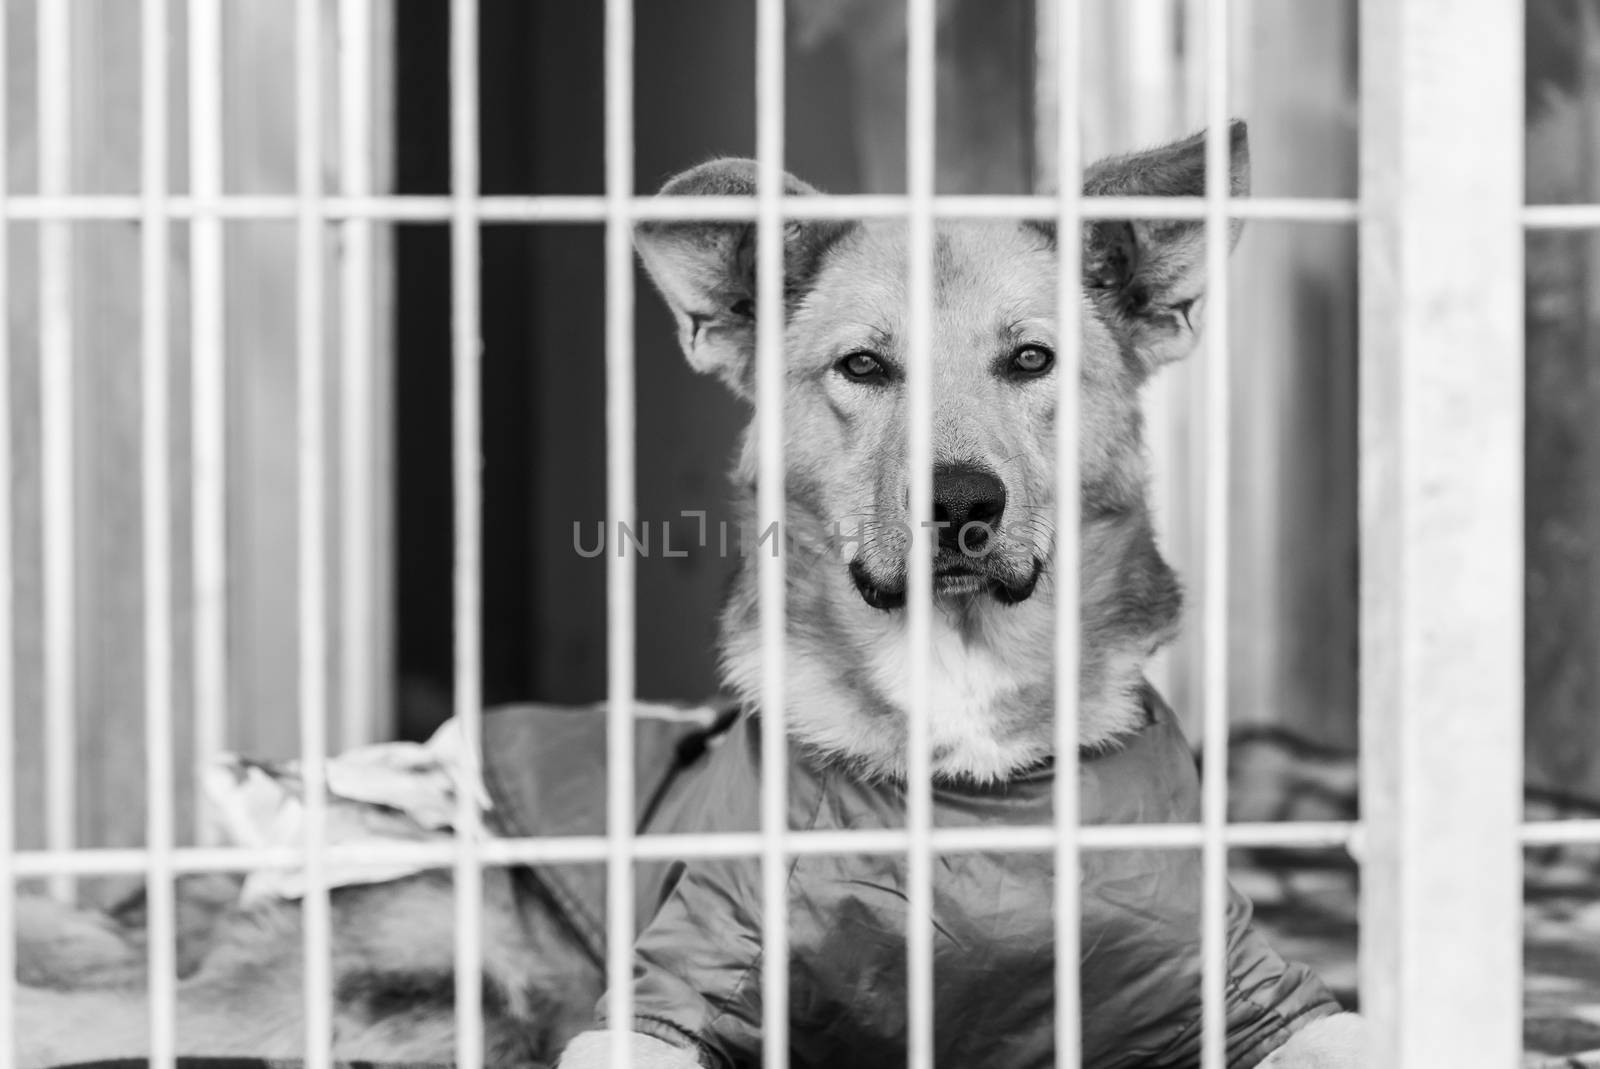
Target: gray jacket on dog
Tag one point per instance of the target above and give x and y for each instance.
(697, 977)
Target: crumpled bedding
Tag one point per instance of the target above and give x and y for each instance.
(387, 792)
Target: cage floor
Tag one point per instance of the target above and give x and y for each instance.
(1306, 903)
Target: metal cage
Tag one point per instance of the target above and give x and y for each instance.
(1441, 221)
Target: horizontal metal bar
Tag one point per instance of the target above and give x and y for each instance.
(588, 848)
(577, 209)
(1561, 216)
(1561, 833)
(574, 849)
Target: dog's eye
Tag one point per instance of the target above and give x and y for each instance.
(863, 366)
(1032, 360)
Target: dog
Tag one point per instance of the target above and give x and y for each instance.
(992, 364)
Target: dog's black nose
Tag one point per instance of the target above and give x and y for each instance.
(962, 495)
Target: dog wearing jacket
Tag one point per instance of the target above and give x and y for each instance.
(991, 361)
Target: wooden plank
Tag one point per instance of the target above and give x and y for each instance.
(107, 667)
(22, 335)
(258, 46)
(106, 566)
(985, 90)
(1294, 347)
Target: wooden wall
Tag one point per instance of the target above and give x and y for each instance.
(258, 93)
(1292, 549)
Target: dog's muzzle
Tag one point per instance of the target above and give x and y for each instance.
(954, 576)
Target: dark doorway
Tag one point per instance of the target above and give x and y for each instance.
(541, 114)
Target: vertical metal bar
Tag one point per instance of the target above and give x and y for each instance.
(920, 177)
(1061, 35)
(208, 398)
(620, 504)
(156, 502)
(467, 457)
(770, 381)
(312, 478)
(8, 720)
(1214, 604)
(1441, 529)
(57, 427)
(358, 716)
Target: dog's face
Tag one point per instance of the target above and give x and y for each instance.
(991, 358)
(991, 361)
(994, 399)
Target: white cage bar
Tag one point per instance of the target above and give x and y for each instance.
(1214, 630)
(208, 396)
(920, 181)
(1058, 54)
(580, 848)
(8, 717)
(466, 453)
(771, 375)
(621, 498)
(582, 209)
(1441, 530)
(311, 474)
(1442, 227)
(358, 384)
(156, 506)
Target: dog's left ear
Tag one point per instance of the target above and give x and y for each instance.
(707, 271)
(1154, 270)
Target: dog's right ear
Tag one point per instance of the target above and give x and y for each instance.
(707, 271)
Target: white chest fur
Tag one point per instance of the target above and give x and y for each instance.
(968, 677)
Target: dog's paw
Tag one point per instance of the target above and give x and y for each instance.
(1337, 1042)
(592, 1050)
